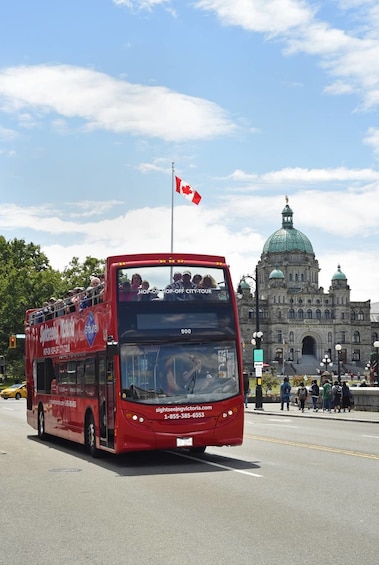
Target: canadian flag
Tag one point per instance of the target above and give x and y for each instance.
(187, 191)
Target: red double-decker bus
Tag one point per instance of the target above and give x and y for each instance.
(149, 359)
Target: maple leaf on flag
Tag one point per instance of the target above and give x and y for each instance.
(188, 192)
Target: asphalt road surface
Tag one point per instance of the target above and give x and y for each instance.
(298, 491)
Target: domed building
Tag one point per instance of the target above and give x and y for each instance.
(301, 323)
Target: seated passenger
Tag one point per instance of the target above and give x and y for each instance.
(124, 294)
(207, 283)
(143, 293)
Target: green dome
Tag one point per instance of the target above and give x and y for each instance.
(244, 285)
(276, 274)
(339, 275)
(287, 238)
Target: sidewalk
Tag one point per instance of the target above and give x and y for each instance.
(273, 409)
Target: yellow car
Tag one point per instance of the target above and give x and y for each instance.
(14, 391)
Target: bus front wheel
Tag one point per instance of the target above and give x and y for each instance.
(41, 423)
(90, 439)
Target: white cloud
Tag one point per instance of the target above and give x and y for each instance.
(372, 139)
(103, 102)
(300, 175)
(351, 58)
(265, 16)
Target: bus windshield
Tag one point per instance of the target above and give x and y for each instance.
(165, 283)
(177, 333)
(179, 373)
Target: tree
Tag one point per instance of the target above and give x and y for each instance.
(77, 274)
(26, 280)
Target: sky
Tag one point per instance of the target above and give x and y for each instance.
(102, 102)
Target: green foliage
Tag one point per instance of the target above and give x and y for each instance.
(76, 274)
(298, 379)
(26, 281)
(269, 382)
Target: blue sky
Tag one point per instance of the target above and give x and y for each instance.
(252, 100)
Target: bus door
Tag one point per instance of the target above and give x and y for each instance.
(106, 401)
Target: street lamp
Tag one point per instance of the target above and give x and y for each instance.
(376, 345)
(256, 342)
(326, 362)
(338, 348)
(258, 362)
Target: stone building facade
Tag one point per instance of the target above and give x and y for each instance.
(300, 321)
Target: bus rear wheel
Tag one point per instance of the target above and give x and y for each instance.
(41, 423)
(90, 437)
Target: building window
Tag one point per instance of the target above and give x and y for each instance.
(329, 337)
(352, 315)
(343, 316)
(356, 337)
(291, 314)
(291, 337)
(279, 314)
(318, 314)
(279, 337)
(361, 315)
(356, 355)
(343, 337)
(309, 314)
(300, 314)
(327, 314)
(251, 314)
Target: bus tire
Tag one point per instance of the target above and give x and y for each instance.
(90, 436)
(41, 423)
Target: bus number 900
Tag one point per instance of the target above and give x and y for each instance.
(185, 331)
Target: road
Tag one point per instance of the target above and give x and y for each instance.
(298, 491)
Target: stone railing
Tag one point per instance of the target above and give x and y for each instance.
(366, 398)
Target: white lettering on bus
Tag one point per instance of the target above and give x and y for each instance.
(49, 334)
(67, 328)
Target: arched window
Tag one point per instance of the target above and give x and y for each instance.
(251, 314)
(352, 316)
(361, 315)
(327, 314)
(291, 313)
(356, 337)
(300, 314)
(291, 337)
(309, 314)
(318, 314)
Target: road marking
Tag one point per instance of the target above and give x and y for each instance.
(212, 464)
(375, 437)
(316, 447)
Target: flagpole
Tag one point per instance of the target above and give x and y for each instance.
(172, 207)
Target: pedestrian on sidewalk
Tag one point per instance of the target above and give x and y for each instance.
(337, 396)
(346, 402)
(246, 388)
(315, 393)
(327, 396)
(285, 390)
(302, 394)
